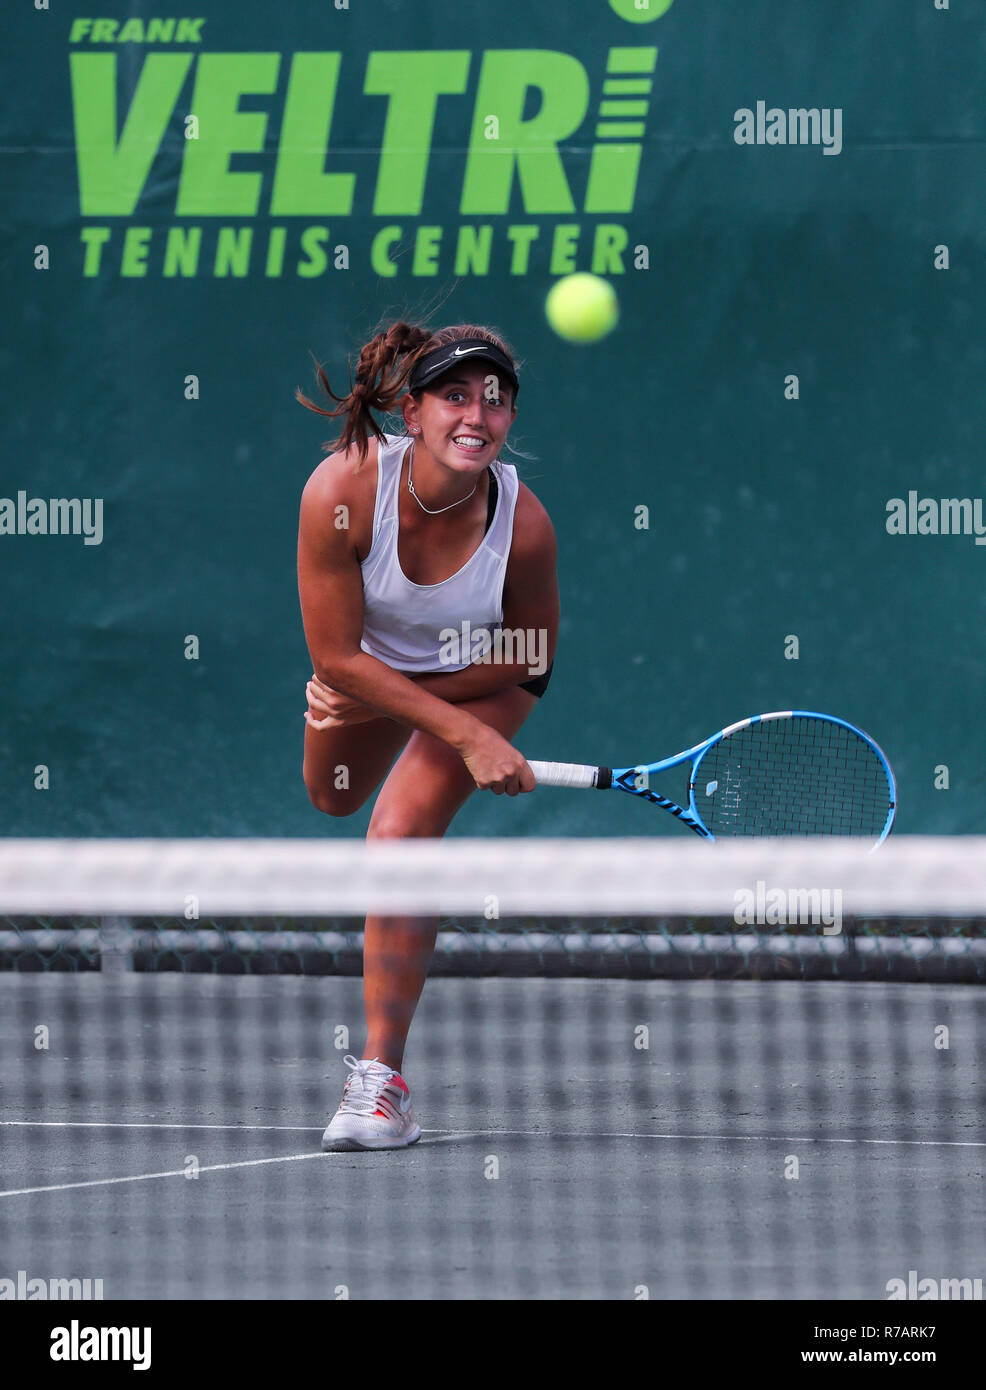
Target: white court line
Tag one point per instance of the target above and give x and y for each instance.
(440, 1137)
(448, 1137)
(146, 1177)
(761, 1138)
(147, 1124)
(494, 1133)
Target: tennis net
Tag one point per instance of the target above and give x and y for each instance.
(643, 1069)
(634, 908)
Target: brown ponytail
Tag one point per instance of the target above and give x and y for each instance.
(382, 372)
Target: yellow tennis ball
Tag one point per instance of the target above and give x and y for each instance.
(582, 308)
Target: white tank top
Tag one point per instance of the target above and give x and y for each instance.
(403, 621)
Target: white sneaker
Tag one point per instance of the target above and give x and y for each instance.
(375, 1112)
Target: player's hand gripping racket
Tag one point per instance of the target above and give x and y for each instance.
(788, 773)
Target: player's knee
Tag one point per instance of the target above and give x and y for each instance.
(331, 801)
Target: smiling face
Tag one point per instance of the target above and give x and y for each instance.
(463, 418)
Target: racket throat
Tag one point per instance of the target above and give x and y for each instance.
(634, 780)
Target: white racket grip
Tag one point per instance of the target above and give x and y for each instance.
(563, 774)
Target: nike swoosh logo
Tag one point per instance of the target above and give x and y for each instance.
(405, 1103)
(461, 352)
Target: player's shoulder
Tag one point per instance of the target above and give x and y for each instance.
(533, 530)
(342, 478)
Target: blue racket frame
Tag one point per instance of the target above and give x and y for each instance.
(626, 779)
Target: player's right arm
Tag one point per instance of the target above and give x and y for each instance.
(330, 585)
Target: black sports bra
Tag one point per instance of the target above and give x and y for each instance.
(491, 500)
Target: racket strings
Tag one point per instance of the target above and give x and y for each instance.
(793, 777)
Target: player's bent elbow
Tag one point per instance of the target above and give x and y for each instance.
(333, 670)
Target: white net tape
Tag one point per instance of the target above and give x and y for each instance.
(906, 876)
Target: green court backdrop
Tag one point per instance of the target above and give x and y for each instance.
(191, 205)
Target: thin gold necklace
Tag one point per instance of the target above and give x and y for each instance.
(432, 511)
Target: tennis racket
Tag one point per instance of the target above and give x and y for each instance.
(787, 773)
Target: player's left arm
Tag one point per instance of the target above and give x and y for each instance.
(530, 606)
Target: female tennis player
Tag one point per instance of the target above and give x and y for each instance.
(404, 538)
